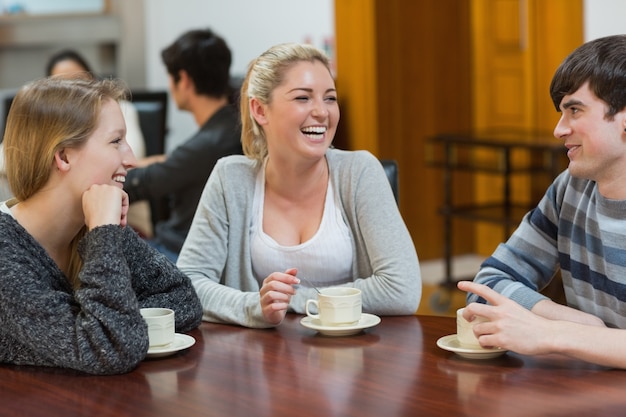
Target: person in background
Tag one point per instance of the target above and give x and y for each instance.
(73, 277)
(295, 207)
(69, 63)
(198, 66)
(578, 227)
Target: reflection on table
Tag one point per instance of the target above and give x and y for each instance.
(393, 369)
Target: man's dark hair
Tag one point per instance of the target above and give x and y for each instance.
(601, 63)
(205, 56)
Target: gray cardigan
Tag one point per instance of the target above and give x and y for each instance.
(216, 254)
(98, 328)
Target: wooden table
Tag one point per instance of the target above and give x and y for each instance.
(393, 369)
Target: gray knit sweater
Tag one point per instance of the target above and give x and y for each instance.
(216, 254)
(98, 328)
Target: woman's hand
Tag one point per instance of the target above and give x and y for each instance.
(276, 293)
(105, 204)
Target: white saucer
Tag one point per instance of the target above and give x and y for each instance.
(367, 321)
(181, 341)
(451, 343)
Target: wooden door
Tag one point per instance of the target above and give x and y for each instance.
(403, 76)
(407, 70)
(516, 46)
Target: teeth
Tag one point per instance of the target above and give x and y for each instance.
(119, 178)
(314, 129)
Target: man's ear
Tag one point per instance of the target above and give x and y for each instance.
(257, 110)
(184, 80)
(61, 161)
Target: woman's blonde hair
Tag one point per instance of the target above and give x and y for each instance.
(48, 115)
(265, 73)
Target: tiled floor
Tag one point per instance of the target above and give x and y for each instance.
(441, 300)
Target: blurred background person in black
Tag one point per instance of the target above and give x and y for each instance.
(198, 66)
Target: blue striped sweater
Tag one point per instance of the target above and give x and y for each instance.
(574, 228)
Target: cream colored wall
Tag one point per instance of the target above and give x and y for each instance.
(604, 17)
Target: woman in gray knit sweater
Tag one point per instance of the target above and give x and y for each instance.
(72, 275)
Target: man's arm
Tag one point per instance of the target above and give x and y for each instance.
(554, 311)
(149, 160)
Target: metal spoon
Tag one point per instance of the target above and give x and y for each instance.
(310, 283)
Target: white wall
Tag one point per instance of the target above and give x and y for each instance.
(248, 26)
(603, 18)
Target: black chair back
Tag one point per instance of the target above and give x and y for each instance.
(152, 111)
(391, 169)
(6, 104)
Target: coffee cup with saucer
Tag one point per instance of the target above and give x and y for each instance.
(338, 312)
(464, 343)
(163, 339)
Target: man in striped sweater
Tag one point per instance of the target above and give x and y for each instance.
(578, 227)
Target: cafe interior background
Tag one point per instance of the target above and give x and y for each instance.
(406, 71)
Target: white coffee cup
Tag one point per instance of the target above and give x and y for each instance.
(160, 323)
(336, 306)
(465, 332)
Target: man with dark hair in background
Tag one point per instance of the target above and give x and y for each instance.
(198, 66)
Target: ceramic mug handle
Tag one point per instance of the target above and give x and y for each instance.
(308, 313)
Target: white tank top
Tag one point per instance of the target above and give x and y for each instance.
(325, 259)
(5, 206)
